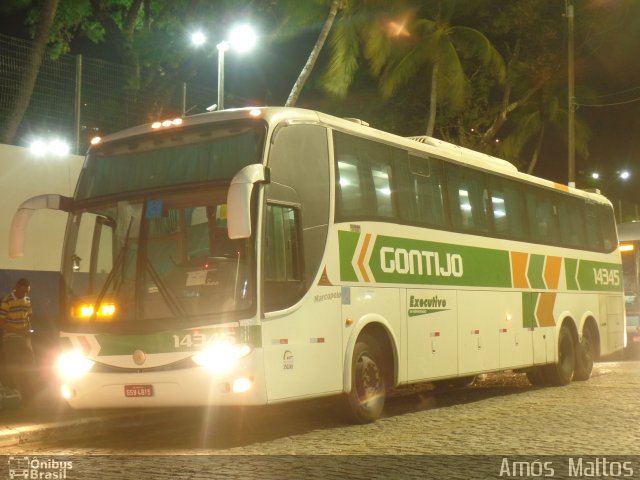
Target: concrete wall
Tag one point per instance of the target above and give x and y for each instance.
(23, 175)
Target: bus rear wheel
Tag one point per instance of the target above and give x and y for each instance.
(561, 373)
(585, 355)
(368, 389)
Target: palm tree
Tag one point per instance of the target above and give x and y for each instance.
(533, 124)
(346, 23)
(334, 8)
(437, 45)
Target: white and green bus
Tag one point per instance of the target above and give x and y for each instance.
(256, 256)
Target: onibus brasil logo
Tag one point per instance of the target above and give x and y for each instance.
(38, 468)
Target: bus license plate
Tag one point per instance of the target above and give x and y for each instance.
(138, 390)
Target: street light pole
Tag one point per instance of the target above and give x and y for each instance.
(222, 47)
(571, 97)
(242, 39)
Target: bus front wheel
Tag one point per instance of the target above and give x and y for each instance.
(561, 373)
(368, 390)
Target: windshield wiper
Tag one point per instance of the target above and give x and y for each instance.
(174, 305)
(117, 265)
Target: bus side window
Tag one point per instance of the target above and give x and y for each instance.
(467, 194)
(606, 223)
(283, 272)
(594, 239)
(571, 223)
(543, 218)
(350, 184)
(499, 210)
(508, 208)
(420, 189)
(364, 177)
(381, 178)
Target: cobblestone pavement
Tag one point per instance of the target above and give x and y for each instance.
(502, 415)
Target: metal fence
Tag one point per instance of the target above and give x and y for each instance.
(77, 97)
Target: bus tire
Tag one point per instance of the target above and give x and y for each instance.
(560, 373)
(585, 355)
(368, 389)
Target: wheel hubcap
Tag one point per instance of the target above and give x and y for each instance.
(368, 380)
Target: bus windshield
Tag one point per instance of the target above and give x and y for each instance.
(166, 159)
(163, 258)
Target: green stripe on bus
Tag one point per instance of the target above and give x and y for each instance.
(395, 260)
(535, 271)
(529, 301)
(407, 261)
(570, 271)
(442, 263)
(599, 276)
(347, 241)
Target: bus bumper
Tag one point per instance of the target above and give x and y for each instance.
(195, 386)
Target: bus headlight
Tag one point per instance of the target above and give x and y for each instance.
(220, 357)
(73, 364)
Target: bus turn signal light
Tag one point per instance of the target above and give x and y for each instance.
(86, 310)
(626, 247)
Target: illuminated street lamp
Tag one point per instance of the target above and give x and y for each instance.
(53, 146)
(620, 175)
(241, 39)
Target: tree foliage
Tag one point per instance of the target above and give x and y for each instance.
(30, 73)
(494, 71)
(149, 37)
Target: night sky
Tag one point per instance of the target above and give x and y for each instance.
(613, 67)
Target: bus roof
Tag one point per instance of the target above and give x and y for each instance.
(424, 144)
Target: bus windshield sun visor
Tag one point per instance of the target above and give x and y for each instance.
(23, 215)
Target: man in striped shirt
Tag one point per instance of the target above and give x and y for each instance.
(15, 322)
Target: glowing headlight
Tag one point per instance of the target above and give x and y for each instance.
(73, 364)
(220, 357)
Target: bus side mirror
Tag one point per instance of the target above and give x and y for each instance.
(239, 199)
(21, 218)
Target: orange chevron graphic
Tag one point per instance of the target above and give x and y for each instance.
(363, 254)
(560, 186)
(544, 310)
(519, 269)
(552, 272)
